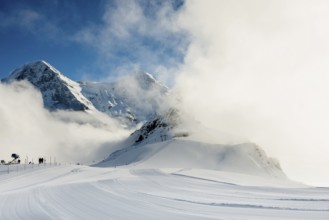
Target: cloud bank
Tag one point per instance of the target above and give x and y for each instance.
(259, 69)
(31, 131)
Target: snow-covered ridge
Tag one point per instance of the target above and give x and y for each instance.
(161, 143)
(245, 158)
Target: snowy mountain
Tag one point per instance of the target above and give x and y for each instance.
(133, 98)
(58, 91)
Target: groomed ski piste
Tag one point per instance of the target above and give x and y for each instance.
(146, 189)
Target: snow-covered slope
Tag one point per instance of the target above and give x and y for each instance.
(134, 98)
(245, 158)
(161, 143)
(79, 192)
(58, 91)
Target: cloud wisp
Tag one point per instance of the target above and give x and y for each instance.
(136, 35)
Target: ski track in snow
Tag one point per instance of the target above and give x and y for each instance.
(79, 192)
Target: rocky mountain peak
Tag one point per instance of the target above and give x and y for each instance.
(58, 91)
(34, 72)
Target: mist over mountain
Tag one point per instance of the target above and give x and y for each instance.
(168, 136)
(132, 99)
(171, 109)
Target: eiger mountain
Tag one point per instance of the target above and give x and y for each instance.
(58, 91)
(132, 99)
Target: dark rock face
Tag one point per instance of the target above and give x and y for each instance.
(158, 129)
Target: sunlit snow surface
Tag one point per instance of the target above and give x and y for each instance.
(81, 192)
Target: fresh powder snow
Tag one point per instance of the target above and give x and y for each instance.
(127, 192)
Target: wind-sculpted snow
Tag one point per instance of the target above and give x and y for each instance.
(78, 192)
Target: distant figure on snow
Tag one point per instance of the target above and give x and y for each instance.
(40, 160)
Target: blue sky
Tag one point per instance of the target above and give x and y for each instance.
(91, 40)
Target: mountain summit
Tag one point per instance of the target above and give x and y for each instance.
(58, 92)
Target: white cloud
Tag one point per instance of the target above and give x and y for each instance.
(259, 69)
(128, 39)
(23, 18)
(30, 130)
